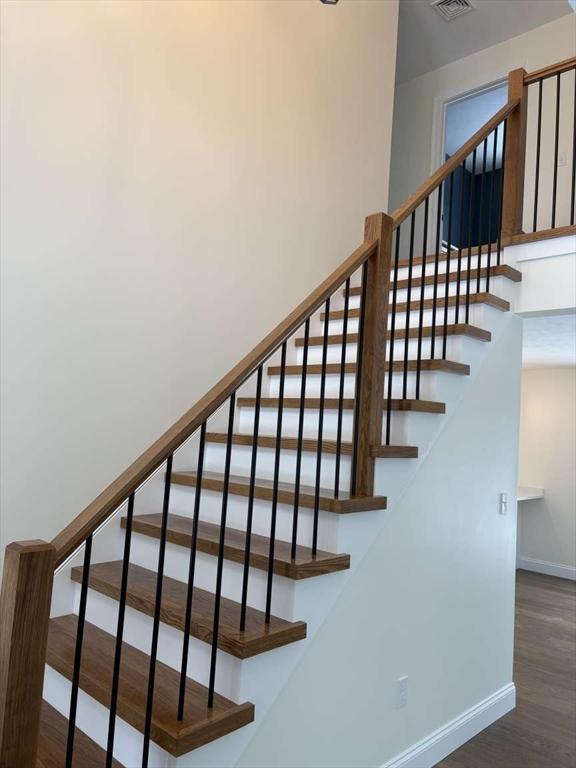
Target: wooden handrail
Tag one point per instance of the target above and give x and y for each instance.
(71, 537)
(550, 71)
(402, 212)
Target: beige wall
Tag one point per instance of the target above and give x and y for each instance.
(176, 176)
(417, 113)
(547, 528)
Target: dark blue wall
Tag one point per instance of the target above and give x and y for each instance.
(487, 228)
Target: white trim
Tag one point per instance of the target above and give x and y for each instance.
(544, 566)
(441, 102)
(544, 249)
(439, 744)
(529, 493)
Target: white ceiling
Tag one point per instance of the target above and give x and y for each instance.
(426, 41)
(549, 341)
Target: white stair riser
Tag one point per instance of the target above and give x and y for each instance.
(454, 349)
(182, 503)
(465, 260)
(430, 385)
(241, 465)
(145, 553)
(499, 286)
(481, 315)
(103, 612)
(92, 718)
(405, 425)
(107, 545)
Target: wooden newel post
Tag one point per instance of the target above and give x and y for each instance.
(24, 615)
(515, 156)
(378, 227)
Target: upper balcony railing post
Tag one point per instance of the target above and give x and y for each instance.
(515, 156)
(370, 368)
(24, 615)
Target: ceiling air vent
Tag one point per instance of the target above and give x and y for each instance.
(450, 9)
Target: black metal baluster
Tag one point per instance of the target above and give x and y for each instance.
(501, 201)
(436, 270)
(422, 289)
(459, 274)
(341, 391)
(470, 217)
(492, 185)
(275, 485)
(191, 574)
(300, 437)
(481, 215)
(250, 515)
(157, 606)
(408, 300)
(556, 139)
(448, 255)
(538, 144)
(119, 632)
(392, 337)
(78, 652)
(573, 193)
(220, 566)
(358, 382)
(321, 432)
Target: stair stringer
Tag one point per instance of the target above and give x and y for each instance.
(260, 679)
(263, 679)
(337, 706)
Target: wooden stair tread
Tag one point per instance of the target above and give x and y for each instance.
(263, 490)
(258, 637)
(199, 726)
(311, 445)
(401, 306)
(503, 270)
(333, 403)
(304, 565)
(428, 365)
(453, 329)
(53, 739)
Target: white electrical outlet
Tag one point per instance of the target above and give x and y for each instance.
(402, 692)
(503, 503)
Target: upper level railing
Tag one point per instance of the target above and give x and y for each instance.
(548, 143)
(441, 227)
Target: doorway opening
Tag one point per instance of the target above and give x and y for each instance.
(467, 219)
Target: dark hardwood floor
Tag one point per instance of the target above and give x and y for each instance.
(541, 731)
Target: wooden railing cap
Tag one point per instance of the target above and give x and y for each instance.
(550, 71)
(33, 545)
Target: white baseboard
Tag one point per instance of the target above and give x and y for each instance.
(550, 569)
(439, 744)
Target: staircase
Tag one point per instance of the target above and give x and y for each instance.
(189, 565)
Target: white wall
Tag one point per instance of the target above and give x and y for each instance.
(176, 176)
(547, 527)
(432, 599)
(548, 275)
(417, 112)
